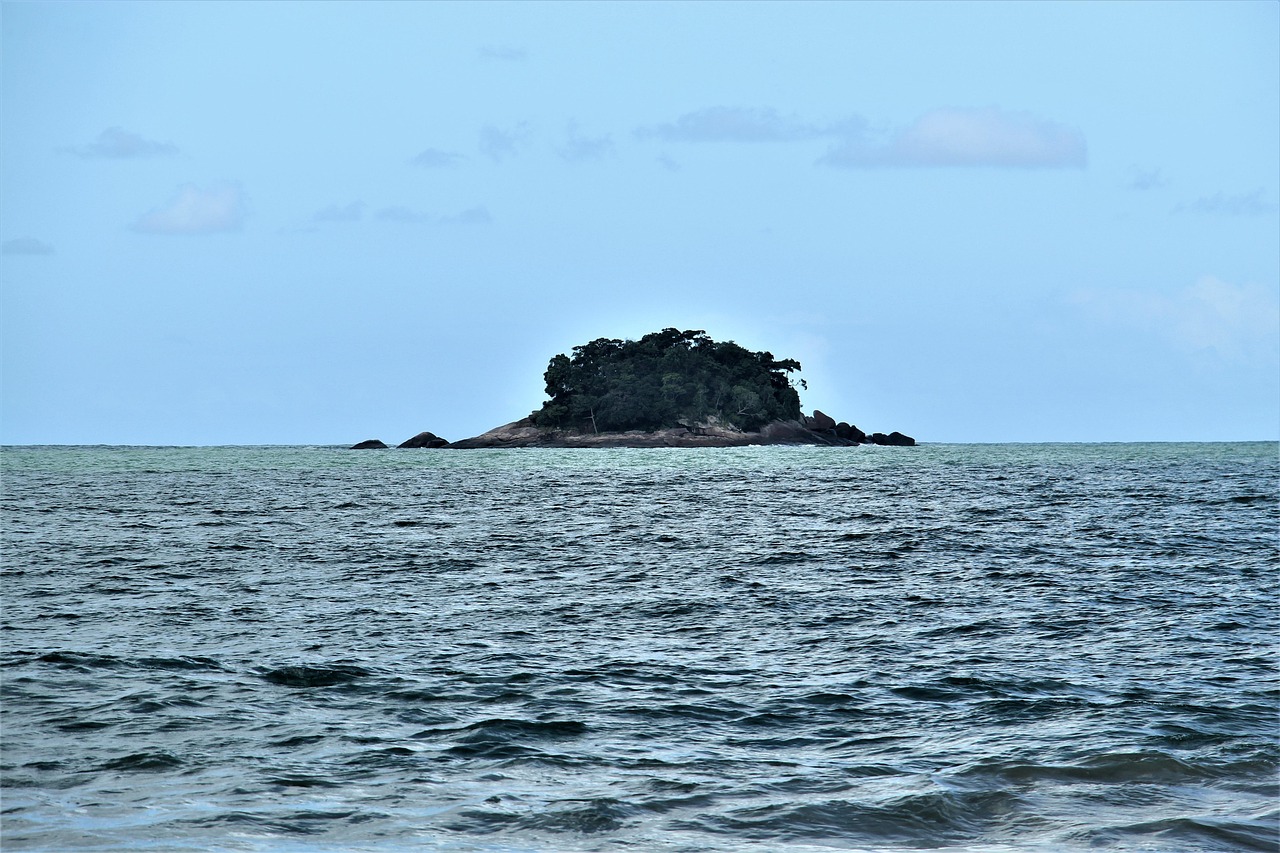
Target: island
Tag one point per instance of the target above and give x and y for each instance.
(670, 388)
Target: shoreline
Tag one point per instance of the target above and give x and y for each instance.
(522, 433)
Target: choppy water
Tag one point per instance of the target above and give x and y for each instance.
(960, 647)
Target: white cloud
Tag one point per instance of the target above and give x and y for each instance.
(942, 137)
(345, 213)
(733, 124)
(498, 144)
(967, 137)
(196, 210)
(25, 246)
(1238, 323)
(1144, 179)
(1243, 204)
(579, 148)
(115, 143)
(470, 216)
(434, 158)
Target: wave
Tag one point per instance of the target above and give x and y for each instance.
(150, 761)
(1124, 769)
(89, 661)
(1185, 833)
(932, 818)
(303, 676)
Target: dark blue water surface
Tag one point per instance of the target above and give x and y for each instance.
(980, 648)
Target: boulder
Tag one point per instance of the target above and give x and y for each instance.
(893, 439)
(850, 432)
(523, 433)
(371, 444)
(425, 439)
(821, 422)
(793, 432)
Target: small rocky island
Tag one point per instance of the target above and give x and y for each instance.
(669, 389)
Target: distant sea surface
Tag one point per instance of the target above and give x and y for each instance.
(946, 647)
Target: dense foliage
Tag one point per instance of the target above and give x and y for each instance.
(667, 379)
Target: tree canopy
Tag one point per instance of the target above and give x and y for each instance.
(666, 379)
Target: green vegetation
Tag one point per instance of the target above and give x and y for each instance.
(666, 379)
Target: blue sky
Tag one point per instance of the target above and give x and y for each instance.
(243, 223)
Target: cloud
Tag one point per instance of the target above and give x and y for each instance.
(499, 144)
(25, 246)
(408, 216)
(470, 216)
(579, 148)
(194, 210)
(1142, 179)
(346, 213)
(966, 137)
(1238, 323)
(115, 143)
(665, 161)
(942, 137)
(503, 53)
(1221, 204)
(733, 124)
(434, 158)
(399, 213)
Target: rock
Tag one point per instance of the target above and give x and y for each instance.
(371, 444)
(893, 439)
(850, 432)
(821, 422)
(793, 432)
(425, 439)
(523, 433)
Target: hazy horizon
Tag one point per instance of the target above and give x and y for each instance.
(294, 223)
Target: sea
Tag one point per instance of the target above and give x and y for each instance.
(996, 648)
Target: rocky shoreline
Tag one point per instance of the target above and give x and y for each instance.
(818, 429)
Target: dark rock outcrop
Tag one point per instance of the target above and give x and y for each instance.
(371, 444)
(821, 422)
(850, 433)
(523, 433)
(820, 429)
(893, 439)
(425, 439)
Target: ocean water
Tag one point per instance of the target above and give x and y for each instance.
(946, 647)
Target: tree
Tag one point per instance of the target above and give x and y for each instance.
(666, 379)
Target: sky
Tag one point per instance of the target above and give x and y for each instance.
(319, 223)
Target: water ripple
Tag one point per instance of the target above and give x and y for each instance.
(1003, 648)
